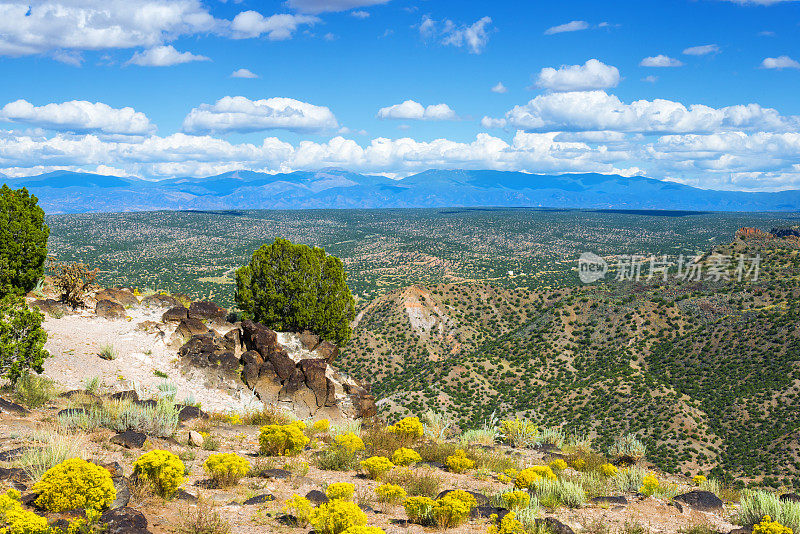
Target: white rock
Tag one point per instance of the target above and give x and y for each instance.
(195, 439)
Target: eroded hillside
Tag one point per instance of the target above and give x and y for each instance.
(708, 372)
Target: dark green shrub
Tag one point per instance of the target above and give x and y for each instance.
(22, 338)
(293, 288)
(23, 241)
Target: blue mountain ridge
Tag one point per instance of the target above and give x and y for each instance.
(78, 192)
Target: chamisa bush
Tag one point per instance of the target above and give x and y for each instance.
(405, 457)
(390, 493)
(458, 462)
(16, 520)
(226, 469)
(300, 508)
(376, 466)
(340, 490)
(453, 508)
(528, 476)
(408, 429)
(75, 483)
(336, 516)
(282, 440)
(768, 526)
(161, 469)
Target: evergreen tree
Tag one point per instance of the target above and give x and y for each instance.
(291, 287)
(22, 338)
(23, 241)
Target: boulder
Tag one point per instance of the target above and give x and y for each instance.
(13, 474)
(160, 300)
(191, 327)
(309, 340)
(315, 379)
(124, 521)
(130, 439)
(488, 511)
(120, 296)
(123, 492)
(51, 307)
(203, 309)
(790, 497)
(233, 340)
(188, 413)
(328, 351)
(258, 337)
(317, 497)
(175, 315)
(276, 473)
(554, 525)
(701, 500)
(109, 309)
(195, 439)
(12, 407)
(259, 499)
(128, 394)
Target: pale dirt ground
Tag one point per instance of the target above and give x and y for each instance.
(75, 342)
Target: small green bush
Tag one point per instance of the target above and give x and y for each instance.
(162, 470)
(22, 338)
(75, 483)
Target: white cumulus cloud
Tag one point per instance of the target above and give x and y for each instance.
(164, 56)
(250, 24)
(78, 116)
(574, 26)
(591, 75)
(411, 110)
(499, 88)
(701, 50)
(780, 62)
(660, 61)
(240, 114)
(597, 110)
(473, 37)
(50, 25)
(243, 73)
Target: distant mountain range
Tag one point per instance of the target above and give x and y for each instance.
(73, 192)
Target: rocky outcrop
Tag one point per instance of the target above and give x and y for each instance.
(159, 300)
(121, 296)
(701, 500)
(176, 314)
(109, 309)
(303, 382)
(296, 376)
(752, 233)
(205, 310)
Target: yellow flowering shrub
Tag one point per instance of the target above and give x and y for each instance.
(516, 499)
(75, 483)
(453, 508)
(340, 490)
(376, 466)
(350, 441)
(578, 464)
(364, 530)
(337, 516)
(282, 440)
(520, 432)
(698, 480)
(15, 520)
(161, 469)
(558, 465)
(390, 493)
(458, 462)
(300, 508)
(609, 470)
(420, 509)
(323, 425)
(508, 525)
(408, 428)
(768, 526)
(528, 476)
(226, 469)
(650, 485)
(404, 456)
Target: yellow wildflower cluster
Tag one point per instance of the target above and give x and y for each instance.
(75, 483)
(161, 469)
(282, 440)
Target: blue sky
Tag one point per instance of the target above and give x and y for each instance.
(702, 92)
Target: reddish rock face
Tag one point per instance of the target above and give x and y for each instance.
(752, 233)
